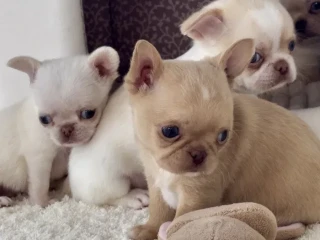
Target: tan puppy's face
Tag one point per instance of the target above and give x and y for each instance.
(306, 17)
(217, 26)
(183, 110)
(70, 93)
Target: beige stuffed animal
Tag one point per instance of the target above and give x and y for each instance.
(244, 221)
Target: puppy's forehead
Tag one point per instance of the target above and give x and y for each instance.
(273, 25)
(65, 83)
(190, 93)
(201, 80)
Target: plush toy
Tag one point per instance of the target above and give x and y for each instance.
(244, 221)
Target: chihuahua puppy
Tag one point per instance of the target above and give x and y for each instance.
(107, 170)
(202, 145)
(223, 22)
(218, 25)
(63, 111)
(306, 17)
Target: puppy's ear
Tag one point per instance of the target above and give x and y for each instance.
(207, 24)
(237, 57)
(25, 64)
(146, 67)
(105, 61)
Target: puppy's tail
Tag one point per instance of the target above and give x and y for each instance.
(291, 231)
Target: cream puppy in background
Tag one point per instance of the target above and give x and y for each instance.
(107, 170)
(202, 145)
(68, 97)
(221, 23)
(306, 17)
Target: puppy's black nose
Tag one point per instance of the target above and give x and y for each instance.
(301, 26)
(67, 130)
(198, 157)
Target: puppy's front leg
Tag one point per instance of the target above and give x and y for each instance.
(159, 212)
(195, 199)
(39, 169)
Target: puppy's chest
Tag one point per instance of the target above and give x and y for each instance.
(165, 181)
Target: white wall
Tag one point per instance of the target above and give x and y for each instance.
(39, 28)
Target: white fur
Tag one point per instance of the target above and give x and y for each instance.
(267, 18)
(27, 153)
(164, 181)
(205, 93)
(101, 171)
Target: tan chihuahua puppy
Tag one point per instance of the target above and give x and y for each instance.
(203, 146)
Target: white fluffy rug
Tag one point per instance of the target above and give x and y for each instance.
(68, 220)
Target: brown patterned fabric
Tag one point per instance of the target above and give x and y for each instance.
(120, 23)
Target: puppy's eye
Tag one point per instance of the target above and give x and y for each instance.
(315, 7)
(45, 119)
(292, 45)
(170, 131)
(87, 114)
(256, 58)
(223, 136)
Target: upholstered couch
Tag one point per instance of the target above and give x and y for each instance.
(120, 23)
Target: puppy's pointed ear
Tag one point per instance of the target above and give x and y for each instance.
(205, 25)
(237, 58)
(25, 64)
(145, 69)
(105, 61)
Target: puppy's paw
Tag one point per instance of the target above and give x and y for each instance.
(136, 199)
(142, 232)
(5, 202)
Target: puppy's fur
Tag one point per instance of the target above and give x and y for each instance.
(223, 22)
(103, 170)
(268, 155)
(61, 90)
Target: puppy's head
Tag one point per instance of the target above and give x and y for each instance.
(183, 110)
(220, 24)
(70, 93)
(306, 17)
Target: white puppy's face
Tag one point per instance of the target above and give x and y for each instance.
(218, 25)
(70, 94)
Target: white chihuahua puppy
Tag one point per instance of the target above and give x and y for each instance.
(221, 23)
(64, 109)
(107, 170)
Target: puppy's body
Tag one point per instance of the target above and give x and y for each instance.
(68, 96)
(103, 171)
(209, 146)
(28, 153)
